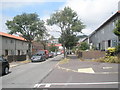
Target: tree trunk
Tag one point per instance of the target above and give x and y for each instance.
(64, 50)
(44, 46)
(29, 50)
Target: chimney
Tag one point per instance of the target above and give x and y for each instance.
(119, 6)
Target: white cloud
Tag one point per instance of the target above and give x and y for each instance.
(93, 12)
(3, 20)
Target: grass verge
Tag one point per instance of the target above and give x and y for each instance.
(63, 61)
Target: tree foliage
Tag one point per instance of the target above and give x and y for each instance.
(43, 39)
(68, 22)
(83, 46)
(117, 29)
(28, 26)
(53, 48)
(117, 32)
(70, 41)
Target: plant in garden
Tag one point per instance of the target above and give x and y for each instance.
(110, 52)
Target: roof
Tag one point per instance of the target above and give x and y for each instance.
(57, 45)
(11, 36)
(118, 12)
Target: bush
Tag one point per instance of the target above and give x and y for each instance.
(117, 49)
(110, 52)
(108, 59)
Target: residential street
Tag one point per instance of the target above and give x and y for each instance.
(27, 75)
(71, 74)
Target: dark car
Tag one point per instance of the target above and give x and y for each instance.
(51, 55)
(4, 66)
(38, 57)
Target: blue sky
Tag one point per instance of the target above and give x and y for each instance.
(91, 12)
(42, 9)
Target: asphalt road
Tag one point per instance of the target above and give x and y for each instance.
(71, 74)
(27, 75)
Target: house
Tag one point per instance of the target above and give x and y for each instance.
(103, 37)
(36, 46)
(12, 45)
(55, 41)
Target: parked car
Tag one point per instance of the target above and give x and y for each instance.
(55, 53)
(38, 57)
(51, 55)
(46, 52)
(58, 53)
(4, 66)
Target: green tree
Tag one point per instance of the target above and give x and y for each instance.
(117, 32)
(83, 46)
(71, 41)
(53, 48)
(68, 22)
(117, 29)
(43, 39)
(28, 26)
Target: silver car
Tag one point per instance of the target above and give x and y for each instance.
(38, 58)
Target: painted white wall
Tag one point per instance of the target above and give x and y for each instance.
(12, 45)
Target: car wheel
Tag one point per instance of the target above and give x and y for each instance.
(6, 70)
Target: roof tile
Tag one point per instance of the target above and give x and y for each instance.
(12, 36)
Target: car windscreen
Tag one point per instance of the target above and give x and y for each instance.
(40, 52)
(37, 54)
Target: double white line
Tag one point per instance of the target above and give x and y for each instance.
(59, 84)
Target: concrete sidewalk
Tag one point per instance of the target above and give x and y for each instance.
(17, 63)
(74, 64)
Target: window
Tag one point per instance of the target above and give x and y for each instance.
(99, 46)
(22, 43)
(6, 40)
(109, 43)
(11, 41)
(6, 52)
(102, 31)
(18, 52)
(1, 58)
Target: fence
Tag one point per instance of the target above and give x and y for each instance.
(11, 58)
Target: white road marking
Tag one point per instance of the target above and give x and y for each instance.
(47, 85)
(37, 85)
(86, 70)
(59, 84)
(107, 67)
(13, 65)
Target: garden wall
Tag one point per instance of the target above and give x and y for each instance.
(91, 54)
(16, 58)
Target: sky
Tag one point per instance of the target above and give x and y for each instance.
(91, 12)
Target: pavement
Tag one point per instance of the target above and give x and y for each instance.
(17, 63)
(74, 73)
(74, 64)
